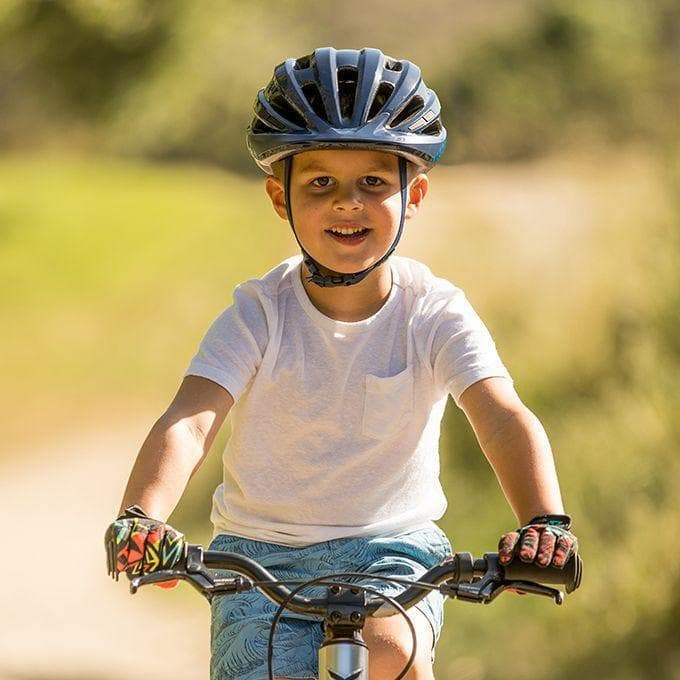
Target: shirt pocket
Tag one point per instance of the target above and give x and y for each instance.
(387, 403)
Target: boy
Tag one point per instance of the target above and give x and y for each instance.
(335, 367)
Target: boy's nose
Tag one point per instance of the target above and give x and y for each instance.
(347, 200)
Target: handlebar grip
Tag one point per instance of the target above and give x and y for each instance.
(569, 576)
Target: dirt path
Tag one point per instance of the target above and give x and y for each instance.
(79, 624)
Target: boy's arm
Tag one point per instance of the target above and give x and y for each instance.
(516, 445)
(176, 446)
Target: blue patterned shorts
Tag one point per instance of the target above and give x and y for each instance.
(240, 623)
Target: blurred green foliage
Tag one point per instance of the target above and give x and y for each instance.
(172, 79)
(65, 65)
(579, 72)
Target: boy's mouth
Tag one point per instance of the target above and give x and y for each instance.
(350, 234)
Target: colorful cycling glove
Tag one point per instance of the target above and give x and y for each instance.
(546, 539)
(137, 544)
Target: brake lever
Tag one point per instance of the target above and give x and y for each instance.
(487, 588)
(158, 577)
(531, 589)
(475, 589)
(197, 575)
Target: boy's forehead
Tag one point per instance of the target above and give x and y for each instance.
(328, 159)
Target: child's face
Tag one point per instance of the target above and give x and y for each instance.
(351, 188)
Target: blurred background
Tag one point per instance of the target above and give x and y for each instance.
(130, 208)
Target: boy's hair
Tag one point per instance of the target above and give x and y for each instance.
(411, 170)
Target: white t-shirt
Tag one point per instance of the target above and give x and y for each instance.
(335, 425)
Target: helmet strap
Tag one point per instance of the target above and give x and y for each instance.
(336, 278)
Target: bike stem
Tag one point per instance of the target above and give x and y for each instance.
(343, 655)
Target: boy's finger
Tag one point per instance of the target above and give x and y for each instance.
(136, 542)
(506, 547)
(171, 549)
(122, 548)
(528, 545)
(562, 551)
(152, 549)
(546, 547)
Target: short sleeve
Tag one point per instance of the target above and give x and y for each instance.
(463, 351)
(232, 349)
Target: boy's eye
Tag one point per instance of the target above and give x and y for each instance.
(373, 181)
(325, 181)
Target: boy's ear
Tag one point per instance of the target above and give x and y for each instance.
(274, 189)
(417, 192)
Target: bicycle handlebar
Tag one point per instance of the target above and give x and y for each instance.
(460, 576)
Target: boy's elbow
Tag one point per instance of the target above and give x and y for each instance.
(199, 407)
(491, 405)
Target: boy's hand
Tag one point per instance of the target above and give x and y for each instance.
(546, 539)
(137, 544)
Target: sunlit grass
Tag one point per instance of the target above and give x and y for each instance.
(110, 273)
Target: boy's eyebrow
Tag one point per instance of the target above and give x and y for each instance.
(314, 166)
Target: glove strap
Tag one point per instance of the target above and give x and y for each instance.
(133, 511)
(553, 520)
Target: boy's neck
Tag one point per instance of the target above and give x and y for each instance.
(351, 303)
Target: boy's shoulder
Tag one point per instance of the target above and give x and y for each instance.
(418, 277)
(435, 299)
(273, 282)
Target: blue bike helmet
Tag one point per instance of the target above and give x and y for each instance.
(346, 99)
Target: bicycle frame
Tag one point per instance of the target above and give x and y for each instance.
(343, 660)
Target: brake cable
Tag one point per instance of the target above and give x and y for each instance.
(323, 580)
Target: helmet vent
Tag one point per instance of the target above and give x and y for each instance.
(414, 106)
(311, 91)
(433, 128)
(259, 128)
(382, 94)
(393, 65)
(280, 104)
(347, 90)
(303, 62)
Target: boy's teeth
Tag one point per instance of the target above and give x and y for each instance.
(347, 230)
